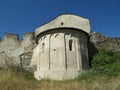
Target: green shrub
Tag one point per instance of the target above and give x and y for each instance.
(106, 62)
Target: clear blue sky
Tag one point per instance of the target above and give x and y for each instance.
(19, 16)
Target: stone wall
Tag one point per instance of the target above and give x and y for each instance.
(11, 48)
(97, 40)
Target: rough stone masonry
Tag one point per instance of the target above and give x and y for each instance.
(11, 49)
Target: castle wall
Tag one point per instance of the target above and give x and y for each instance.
(97, 40)
(11, 47)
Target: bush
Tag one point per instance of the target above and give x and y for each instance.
(106, 62)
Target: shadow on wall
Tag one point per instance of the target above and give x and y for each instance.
(92, 50)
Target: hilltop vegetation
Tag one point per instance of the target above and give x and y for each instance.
(103, 75)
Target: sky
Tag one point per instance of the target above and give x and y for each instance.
(20, 16)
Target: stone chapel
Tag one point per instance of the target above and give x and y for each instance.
(62, 48)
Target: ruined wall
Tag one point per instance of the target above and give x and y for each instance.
(97, 40)
(11, 48)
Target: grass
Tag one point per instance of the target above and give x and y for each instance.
(100, 82)
(97, 78)
(20, 79)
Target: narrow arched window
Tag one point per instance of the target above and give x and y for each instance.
(70, 45)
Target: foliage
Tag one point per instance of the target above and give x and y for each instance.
(106, 62)
(105, 65)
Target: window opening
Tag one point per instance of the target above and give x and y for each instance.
(70, 45)
(62, 23)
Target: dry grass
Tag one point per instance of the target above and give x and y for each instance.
(12, 81)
